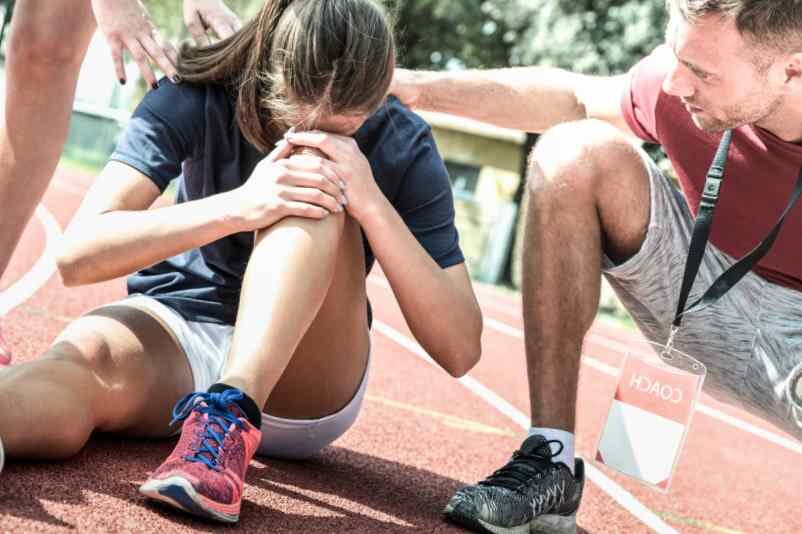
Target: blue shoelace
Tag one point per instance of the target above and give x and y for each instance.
(215, 405)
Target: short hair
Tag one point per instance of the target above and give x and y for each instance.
(775, 24)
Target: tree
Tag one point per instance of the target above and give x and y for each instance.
(441, 34)
(591, 36)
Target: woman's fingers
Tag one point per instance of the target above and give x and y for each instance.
(294, 178)
(311, 195)
(316, 165)
(302, 209)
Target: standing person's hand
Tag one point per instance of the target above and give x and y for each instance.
(200, 16)
(403, 87)
(346, 161)
(127, 26)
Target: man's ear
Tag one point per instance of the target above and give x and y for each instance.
(792, 73)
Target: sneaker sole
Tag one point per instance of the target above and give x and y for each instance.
(545, 524)
(2, 456)
(179, 493)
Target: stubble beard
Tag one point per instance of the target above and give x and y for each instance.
(739, 115)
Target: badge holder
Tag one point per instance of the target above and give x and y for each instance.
(651, 412)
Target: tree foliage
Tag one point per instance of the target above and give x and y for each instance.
(591, 36)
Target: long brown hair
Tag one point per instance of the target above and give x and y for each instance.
(333, 56)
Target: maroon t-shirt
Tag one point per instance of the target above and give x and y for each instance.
(761, 172)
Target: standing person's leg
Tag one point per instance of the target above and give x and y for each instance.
(589, 195)
(47, 43)
(300, 346)
(116, 369)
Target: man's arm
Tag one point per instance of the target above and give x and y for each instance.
(531, 99)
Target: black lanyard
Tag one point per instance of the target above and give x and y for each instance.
(701, 231)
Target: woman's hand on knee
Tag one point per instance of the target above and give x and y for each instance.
(283, 185)
(346, 160)
(127, 26)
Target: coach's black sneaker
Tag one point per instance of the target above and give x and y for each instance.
(529, 494)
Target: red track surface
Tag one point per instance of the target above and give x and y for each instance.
(421, 435)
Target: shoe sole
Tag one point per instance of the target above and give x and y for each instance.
(179, 493)
(2, 456)
(544, 524)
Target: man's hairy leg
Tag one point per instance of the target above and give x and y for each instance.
(589, 194)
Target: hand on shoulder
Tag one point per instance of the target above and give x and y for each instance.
(404, 87)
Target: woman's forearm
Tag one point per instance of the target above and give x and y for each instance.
(443, 316)
(118, 243)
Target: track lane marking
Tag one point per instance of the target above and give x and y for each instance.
(42, 270)
(449, 420)
(616, 492)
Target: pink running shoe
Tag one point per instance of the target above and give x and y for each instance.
(5, 352)
(205, 473)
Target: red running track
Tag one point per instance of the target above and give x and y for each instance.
(421, 435)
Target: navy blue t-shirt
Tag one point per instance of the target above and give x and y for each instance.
(189, 132)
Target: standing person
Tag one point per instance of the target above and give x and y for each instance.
(599, 206)
(48, 41)
(249, 293)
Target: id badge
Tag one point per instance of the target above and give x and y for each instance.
(650, 413)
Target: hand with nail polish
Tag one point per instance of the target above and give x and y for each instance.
(200, 16)
(344, 159)
(286, 184)
(127, 26)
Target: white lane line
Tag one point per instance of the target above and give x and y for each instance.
(709, 411)
(619, 494)
(42, 270)
(503, 328)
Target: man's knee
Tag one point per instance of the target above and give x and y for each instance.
(582, 153)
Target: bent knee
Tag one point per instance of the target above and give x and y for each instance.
(328, 230)
(583, 152)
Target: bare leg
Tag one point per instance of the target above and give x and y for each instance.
(301, 337)
(589, 193)
(115, 369)
(48, 41)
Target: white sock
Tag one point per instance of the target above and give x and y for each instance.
(566, 455)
